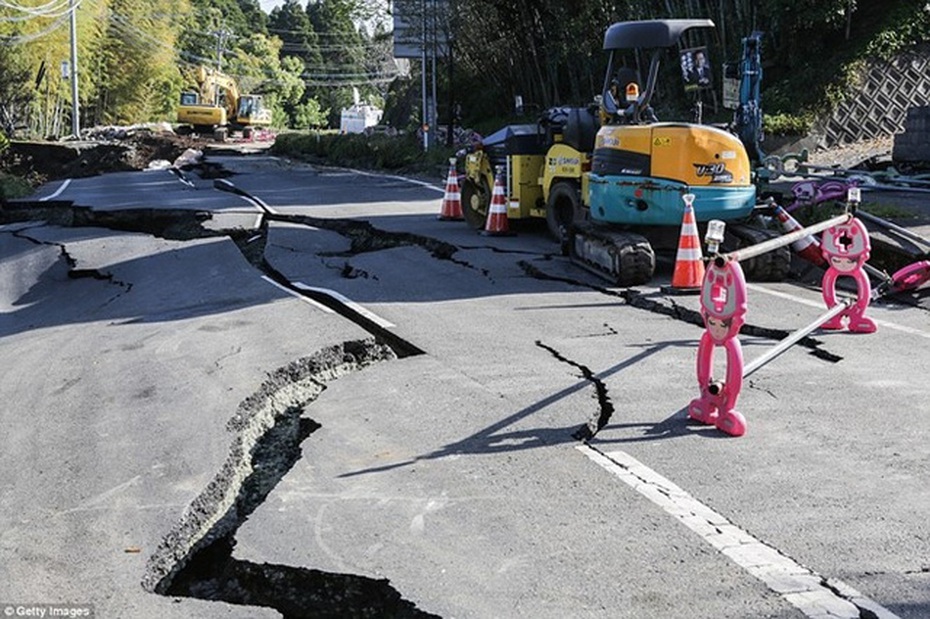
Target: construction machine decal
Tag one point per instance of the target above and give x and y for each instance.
(717, 172)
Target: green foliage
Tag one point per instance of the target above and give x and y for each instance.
(15, 95)
(907, 25)
(307, 57)
(888, 211)
(309, 115)
(138, 70)
(399, 153)
(342, 55)
(787, 124)
(12, 187)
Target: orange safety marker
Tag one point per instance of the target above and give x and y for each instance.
(452, 199)
(497, 223)
(808, 247)
(689, 262)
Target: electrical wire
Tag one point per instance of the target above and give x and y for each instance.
(64, 6)
(26, 38)
(318, 76)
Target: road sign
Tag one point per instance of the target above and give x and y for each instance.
(421, 25)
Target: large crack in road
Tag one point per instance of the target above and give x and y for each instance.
(196, 557)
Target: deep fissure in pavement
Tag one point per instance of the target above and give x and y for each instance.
(637, 299)
(195, 557)
(73, 271)
(294, 592)
(864, 613)
(184, 225)
(165, 223)
(366, 238)
(605, 406)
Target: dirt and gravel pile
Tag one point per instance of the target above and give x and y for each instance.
(100, 150)
(864, 154)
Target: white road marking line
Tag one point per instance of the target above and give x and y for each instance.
(812, 594)
(381, 322)
(784, 295)
(315, 304)
(790, 297)
(58, 192)
(260, 205)
(412, 181)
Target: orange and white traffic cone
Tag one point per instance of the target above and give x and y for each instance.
(689, 262)
(807, 248)
(452, 199)
(497, 223)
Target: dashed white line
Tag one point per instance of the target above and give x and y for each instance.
(812, 594)
(58, 192)
(315, 304)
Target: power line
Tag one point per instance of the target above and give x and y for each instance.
(26, 38)
(55, 8)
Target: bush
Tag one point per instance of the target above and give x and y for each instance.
(12, 187)
(396, 153)
(786, 124)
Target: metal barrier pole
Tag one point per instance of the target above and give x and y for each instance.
(794, 338)
(786, 239)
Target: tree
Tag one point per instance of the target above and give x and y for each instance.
(16, 92)
(37, 41)
(291, 23)
(342, 53)
(138, 68)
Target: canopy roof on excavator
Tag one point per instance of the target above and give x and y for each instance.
(650, 33)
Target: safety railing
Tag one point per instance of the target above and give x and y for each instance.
(845, 247)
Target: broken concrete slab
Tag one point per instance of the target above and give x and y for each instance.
(473, 521)
(179, 335)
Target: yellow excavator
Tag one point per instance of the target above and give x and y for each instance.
(217, 107)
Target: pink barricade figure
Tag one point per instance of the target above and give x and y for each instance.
(846, 247)
(723, 306)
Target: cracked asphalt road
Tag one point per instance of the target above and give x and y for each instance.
(317, 417)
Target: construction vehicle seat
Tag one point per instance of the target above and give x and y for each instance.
(580, 129)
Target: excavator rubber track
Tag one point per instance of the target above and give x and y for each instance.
(624, 258)
(773, 266)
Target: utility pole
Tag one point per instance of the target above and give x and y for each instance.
(75, 107)
(424, 113)
(433, 116)
(220, 38)
(450, 24)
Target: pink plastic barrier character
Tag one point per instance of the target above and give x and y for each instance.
(723, 305)
(846, 247)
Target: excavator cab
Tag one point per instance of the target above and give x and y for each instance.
(642, 167)
(190, 98)
(252, 111)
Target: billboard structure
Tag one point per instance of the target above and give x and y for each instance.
(421, 26)
(423, 29)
